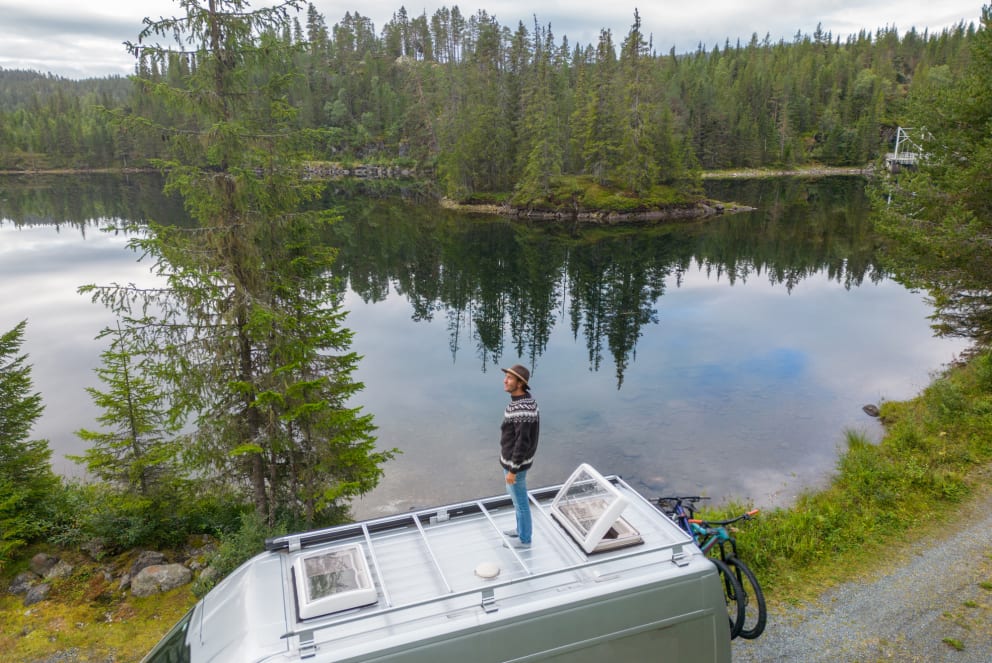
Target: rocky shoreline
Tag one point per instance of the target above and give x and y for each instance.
(685, 212)
(814, 171)
(138, 573)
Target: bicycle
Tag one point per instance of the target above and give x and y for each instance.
(741, 586)
(715, 535)
(682, 510)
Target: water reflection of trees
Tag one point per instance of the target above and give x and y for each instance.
(503, 284)
(84, 200)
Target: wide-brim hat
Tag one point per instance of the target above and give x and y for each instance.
(519, 371)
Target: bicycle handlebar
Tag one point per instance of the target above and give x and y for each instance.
(744, 516)
(687, 498)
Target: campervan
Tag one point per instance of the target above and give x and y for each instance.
(608, 579)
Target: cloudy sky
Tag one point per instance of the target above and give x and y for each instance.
(79, 40)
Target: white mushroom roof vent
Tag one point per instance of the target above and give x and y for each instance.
(487, 570)
(333, 580)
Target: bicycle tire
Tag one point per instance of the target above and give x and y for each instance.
(733, 594)
(755, 610)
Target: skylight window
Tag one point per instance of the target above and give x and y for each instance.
(331, 581)
(589, 507)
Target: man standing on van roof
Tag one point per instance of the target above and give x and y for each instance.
(518, 445)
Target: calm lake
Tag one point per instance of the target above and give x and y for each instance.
(726, 357)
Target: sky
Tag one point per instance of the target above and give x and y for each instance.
(82, 40)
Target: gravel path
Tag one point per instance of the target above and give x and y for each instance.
(928, 606)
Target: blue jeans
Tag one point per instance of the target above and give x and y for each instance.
(518, 493)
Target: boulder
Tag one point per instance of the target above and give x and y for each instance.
(42, 563)
(159, 578)
(23, 582)
(208, 575)
(146, 558)
(37, 593)
(62, 569)
(95, 548)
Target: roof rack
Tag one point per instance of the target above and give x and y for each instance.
(371, 535)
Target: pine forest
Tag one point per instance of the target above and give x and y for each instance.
(483, 109)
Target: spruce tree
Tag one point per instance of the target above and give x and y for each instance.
(542, 154)
(637, 167)
(597, 116)
(26, 478)
(247, 328)
(136, 451)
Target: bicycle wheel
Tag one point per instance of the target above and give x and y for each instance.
(755, 612)
(733, 594)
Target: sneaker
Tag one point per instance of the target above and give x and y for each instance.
(519, 545)
(511, 532)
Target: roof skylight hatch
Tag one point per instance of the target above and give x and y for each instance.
(588, 507)
(333, 580)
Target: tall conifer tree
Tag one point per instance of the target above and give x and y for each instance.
(26, 478)
(637, 167)
(596, 119)
(248, 327)
(542, 152)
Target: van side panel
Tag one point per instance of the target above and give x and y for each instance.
(682, 621)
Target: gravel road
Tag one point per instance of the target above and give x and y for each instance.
(931, 603)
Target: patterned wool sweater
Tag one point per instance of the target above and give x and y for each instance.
(518, 433)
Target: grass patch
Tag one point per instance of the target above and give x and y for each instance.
(484, 198)
(610, 199)
(573, 193)
(954, 643)
(87, 614)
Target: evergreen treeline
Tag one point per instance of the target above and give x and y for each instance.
(54, 122)
(490, 108)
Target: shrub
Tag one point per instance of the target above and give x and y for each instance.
(119, 520)
(237, 545)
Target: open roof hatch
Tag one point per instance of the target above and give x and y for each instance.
(588, 507)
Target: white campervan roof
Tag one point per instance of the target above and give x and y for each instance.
(388, 588)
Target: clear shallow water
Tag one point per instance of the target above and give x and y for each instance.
(725, 358)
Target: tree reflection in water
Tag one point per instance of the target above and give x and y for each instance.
(509, 284)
